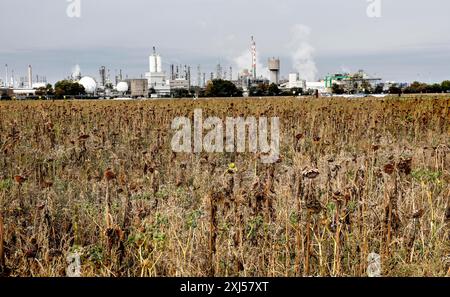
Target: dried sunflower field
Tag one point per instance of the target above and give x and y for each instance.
(99, 178)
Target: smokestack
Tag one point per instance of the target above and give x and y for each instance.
(6, 77)
(253, 51)
(30, 77)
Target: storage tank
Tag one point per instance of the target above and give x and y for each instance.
(122, 87)
(138, 87)
(89, 84)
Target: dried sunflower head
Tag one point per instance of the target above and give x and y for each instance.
(311, 173)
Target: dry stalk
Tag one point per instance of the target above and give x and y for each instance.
(298, 229)
(2, 250)
(213, 228)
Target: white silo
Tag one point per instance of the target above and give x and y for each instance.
(158, 63)
(152, 60)
(155, 62)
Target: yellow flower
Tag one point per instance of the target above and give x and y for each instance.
(232, 168)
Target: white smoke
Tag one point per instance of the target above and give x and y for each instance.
(303, 53)
(345, 69)
(244, 61)
(76, 71)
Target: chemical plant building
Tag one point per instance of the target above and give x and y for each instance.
(24, 87)
(156, 83)
(156, 77)
(138, 87)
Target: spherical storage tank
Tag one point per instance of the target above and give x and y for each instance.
(39, 85)
(89, 84)
(122, 87)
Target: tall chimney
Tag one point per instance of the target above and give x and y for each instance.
(30, 77)
(6, 77)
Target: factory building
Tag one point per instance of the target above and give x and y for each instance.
(6, 93)
(180, 77)
(179, 83)
(22, 88)
(138, 88)
(351, 83)
(23, 93)
(296, 82)
(317, 86)
(335, 79)
(156, 78)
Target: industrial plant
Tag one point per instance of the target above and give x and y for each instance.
(186, 80)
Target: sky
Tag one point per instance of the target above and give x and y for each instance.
(410, 40)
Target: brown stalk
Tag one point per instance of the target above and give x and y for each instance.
(212, 232)
(337, 237)
(308, 242)
(2, 251)
(298, 233)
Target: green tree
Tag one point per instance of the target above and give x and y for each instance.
(434, 88)
(395, 90)
(378, 89)
(416, 88)
(180, 93)
(445, 86)
(366, 87)
(273, 90)
(222, 88)
(296, 91)
(68, 88)
(259, 90)
(337, 89)
(45, 91)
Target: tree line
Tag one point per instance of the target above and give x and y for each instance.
(223, 88)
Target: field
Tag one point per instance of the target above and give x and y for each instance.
(99, 179)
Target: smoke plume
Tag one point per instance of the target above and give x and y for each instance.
(76, 71)
(303, 53)
(244, 61)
